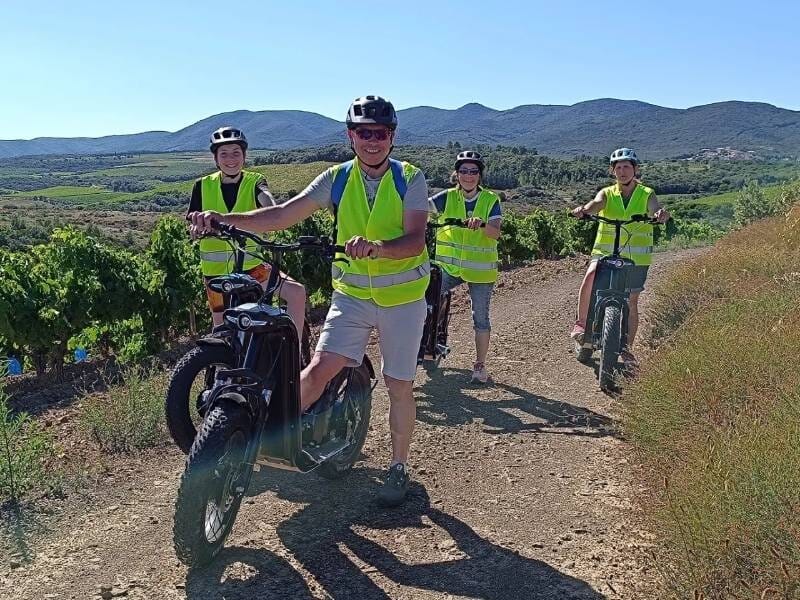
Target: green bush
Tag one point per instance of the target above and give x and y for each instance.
(753, 204)
(309, 268)
(130, 415)
(542, 234)
(171, 252)
(518, 241)
(685, 233)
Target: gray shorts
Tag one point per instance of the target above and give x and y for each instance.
(350, 321)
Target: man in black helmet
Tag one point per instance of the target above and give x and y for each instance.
(232, 189)
(380, 208)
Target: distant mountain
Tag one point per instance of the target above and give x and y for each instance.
(592, 127)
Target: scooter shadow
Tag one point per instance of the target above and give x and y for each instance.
(340, 538)
(446, 403)
(622, 374)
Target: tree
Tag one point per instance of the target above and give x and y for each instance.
(171, 252)
(751, 204)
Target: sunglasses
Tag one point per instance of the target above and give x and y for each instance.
(468, 171)
(379, 135)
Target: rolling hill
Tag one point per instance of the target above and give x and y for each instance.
(591, 127)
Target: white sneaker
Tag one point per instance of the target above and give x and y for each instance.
(479, 374)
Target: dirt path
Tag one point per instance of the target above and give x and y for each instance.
(521, 490)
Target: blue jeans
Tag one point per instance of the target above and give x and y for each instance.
(479, 294)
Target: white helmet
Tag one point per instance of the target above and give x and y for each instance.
(624, 154)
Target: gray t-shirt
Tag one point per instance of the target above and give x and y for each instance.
(416, 197)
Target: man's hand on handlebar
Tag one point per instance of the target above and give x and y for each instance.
(359, 247)
(203, 223)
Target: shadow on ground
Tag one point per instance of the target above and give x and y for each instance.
(19, 525)
(355, 549)
(446, 403)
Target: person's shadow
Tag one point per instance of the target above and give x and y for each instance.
(19, 524)
(259, 573)
(333, 539)
(445, 403)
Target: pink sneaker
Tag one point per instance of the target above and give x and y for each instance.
(578, 331)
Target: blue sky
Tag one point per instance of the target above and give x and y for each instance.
(90, 68)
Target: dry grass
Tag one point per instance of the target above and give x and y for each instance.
(715, 418)
(128, 416)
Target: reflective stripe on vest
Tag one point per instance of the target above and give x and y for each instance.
(609, 248)
(465, 247)
(216, 255)
(225, 257)
(466, 264)
(385, 281)
(380, 281)
(636, 239)
(469, 255)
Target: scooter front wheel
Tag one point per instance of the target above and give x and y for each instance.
(612, 345)
(213, 484)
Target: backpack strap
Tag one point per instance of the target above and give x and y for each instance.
(339, 182)
(399, 177)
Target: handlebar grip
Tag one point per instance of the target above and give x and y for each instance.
(223, 227)
(453, 223)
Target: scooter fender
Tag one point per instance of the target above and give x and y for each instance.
(606, 298)
(214, 341)
(370, 368)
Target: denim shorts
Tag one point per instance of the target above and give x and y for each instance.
(480, 294)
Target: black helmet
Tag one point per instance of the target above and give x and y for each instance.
(371, 110)
(469, 156)
(227, 135)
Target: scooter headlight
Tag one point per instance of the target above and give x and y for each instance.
(244, 321)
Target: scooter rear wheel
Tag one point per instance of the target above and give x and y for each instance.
(357, 391)
(191, 378)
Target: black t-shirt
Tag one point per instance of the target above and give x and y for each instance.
(229, 193)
